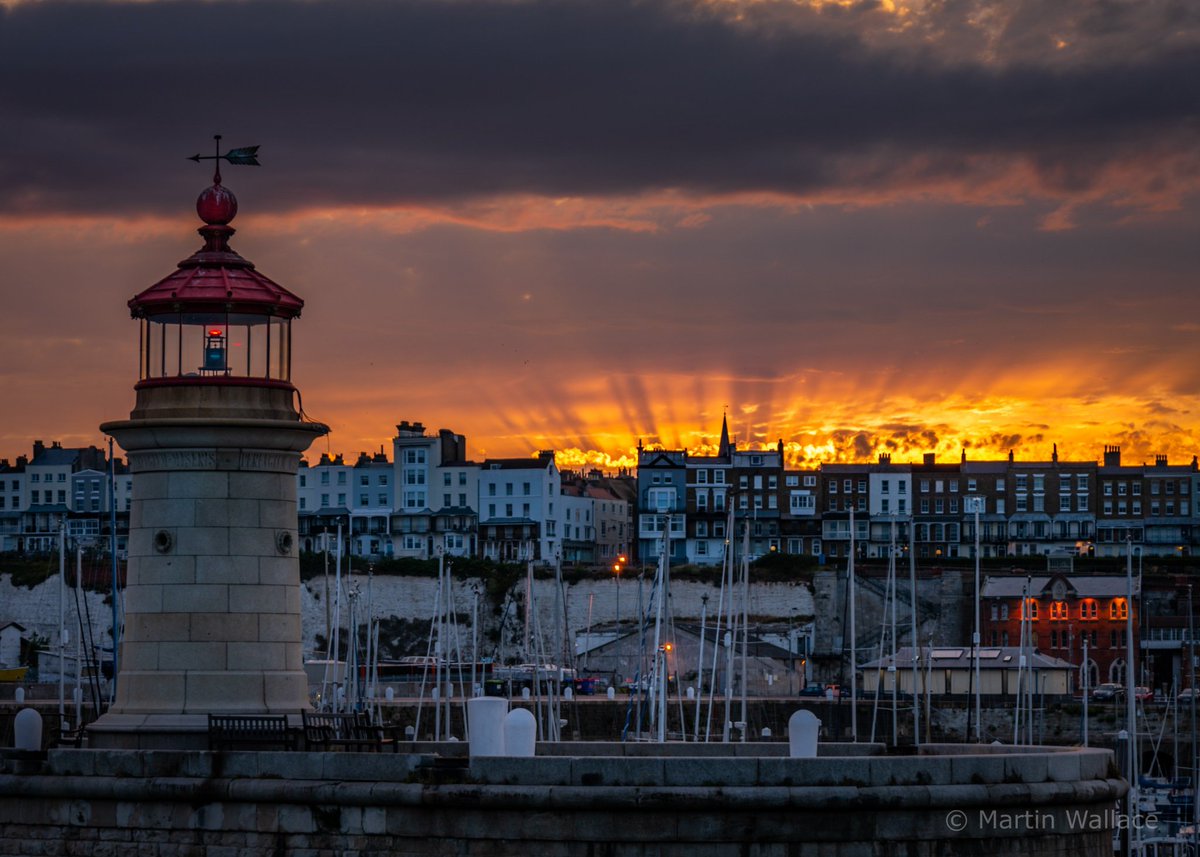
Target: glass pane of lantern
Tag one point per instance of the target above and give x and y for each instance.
(147, 364)
(247, 344)
(168, 355)
(279, 348)
(204, 348)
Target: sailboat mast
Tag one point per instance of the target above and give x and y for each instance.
(912, 582)
(1087, 671)
(730, 633)
(850, 595)
(1130, 686)
(528, 606)
(712, 690)
(977, 503)
(1021, 661)
(657, 708)
(328, 614)
(745, 620)
(78, 693)
(894, 669)
(339, 672)
(62, 622)
(700, 666)
(1192, 712)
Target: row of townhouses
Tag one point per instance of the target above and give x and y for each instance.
(57, 486)
(429, 498)
(937, 509)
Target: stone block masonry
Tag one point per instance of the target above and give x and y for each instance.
(683, 803)
(213, 617)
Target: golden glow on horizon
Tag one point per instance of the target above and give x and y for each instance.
(986, 428)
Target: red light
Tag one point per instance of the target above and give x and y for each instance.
(215, 332)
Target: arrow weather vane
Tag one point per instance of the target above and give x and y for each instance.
(246, 156)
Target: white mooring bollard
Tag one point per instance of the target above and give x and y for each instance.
(520, 733)
(27, 730)
(803, 729)
(485, 725)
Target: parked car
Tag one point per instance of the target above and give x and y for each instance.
(1143, 694)
(1189, 694)
(1109, 691)
(815, 689)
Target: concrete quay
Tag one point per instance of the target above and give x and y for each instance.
(575, 799)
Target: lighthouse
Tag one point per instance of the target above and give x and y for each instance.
(212, 603)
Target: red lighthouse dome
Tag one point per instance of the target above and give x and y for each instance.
(216, 320)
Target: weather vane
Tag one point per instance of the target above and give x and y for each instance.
(246, 156)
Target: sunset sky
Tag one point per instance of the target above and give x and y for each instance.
(897, 226)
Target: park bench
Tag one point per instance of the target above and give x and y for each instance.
(344, 731)
(250, 732)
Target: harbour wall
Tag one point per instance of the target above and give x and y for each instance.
(618, 800)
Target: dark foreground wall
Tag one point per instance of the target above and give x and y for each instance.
(196, 804)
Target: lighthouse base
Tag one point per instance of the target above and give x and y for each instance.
(212, 601)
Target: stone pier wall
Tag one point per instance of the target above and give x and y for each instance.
(163, 804)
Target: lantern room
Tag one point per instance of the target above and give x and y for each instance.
(215, 320)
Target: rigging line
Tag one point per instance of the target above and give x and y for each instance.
(882, 640)
(458, 649)
(459, 660)
(674, 639)
(425, 666)
(635, 690)
(712, 681)
(93, 679)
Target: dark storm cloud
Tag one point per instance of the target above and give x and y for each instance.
(370, 103)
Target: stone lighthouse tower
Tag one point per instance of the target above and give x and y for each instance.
(212, 605)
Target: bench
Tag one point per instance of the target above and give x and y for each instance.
(250, 732)
(344, 731)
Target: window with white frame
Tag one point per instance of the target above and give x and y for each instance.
(661, 499)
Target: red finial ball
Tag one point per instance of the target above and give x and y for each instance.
(216, 205)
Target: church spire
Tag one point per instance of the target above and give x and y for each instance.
(724, 450)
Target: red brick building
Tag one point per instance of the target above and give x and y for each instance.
(1064, 610)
